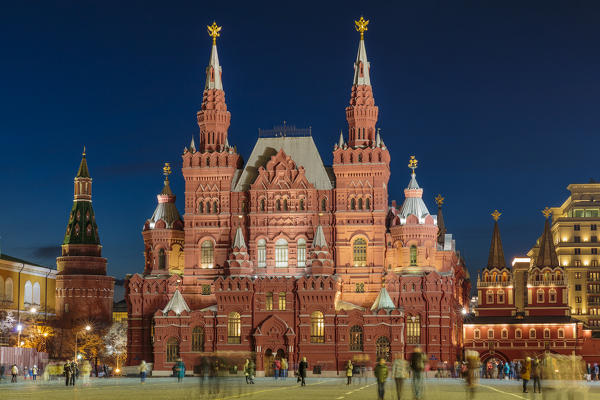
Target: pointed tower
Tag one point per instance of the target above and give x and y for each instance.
(440, 221)
(362, 112)
(239, 262)
(163, 234)
(319, 257)
(213, 117)
(83, 291)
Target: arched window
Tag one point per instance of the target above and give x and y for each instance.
(28, 295)
(269, 301)
(262, 204)
(278, 204)
(504, 333)
(476, 334)
(546, 333)
(36, 294)
(359, 252)
(413, 255)
(301, 252)
(360, 204)
(324, 204)
(208, 207)
(540, 295)
(486, 277)
(261, 253)
(285, 205)
(561, 333)
(413, 329)
(356, 338)
(500, 296)
(172, 349)
(382, 345)
(518, 333)
(489, 297)
(282, 301)
(353, 203)
(234, 328)
(8, 289)
(504, 277)
(162, 259)
(281, 253)
(207, 256)
(414, 287)
(301, 204)
(215, 207)
(368, 203)
(317, 327)
(201, 208)
(552, 296)
(490, 333)
(532, 333)
(198, 339)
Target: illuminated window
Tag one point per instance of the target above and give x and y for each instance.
(359, 252)
(413, 255)
(317, 327)
(382, 347)
(28, 293)
(234, 328)
(282, 301)
(504, 333)
(207, 254)
(413, 329)
(269, 301)
(262, 253)
(301, 253)
(198, 339)
(36, 293)
(518, 333)
(532, 333)
(476, 334)
(561, 333)
(162, 259)
(490, 333)
(489, 297)
(356, 338)
(546, 333)
(172, 349)
(281, 253)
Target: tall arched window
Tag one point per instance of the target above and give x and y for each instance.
(546, 333)
(208, 207)
(215, 207)
(413, 329)
(282, 301)
(201, 208)
(324, 204)
(162, 259)
(8, 290)
(207, 256)
(360, 204)
(261, 253)
(285, 205)
(278, 204)
(269, 301)
(356, 338)
(281, 253)
(301, 204)
(368, 203)
(28, 294)
(532, 333)
(353, 203)
(301, 253)
(198, 339)
(172, 349)
(234, 328)
(382, 345)
(262, 204)
(36, 294)
(317, 327)
(359, 252)
(413, 255)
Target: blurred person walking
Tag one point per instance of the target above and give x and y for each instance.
(67, 372)
(526, 373)
(418, 360)
(277, 367)
(34, 372)
(14, 370)
(302, 367)
(143, 371)
(471, 375)
(349, 371)
(536, 373)
(180, 370)
(284, 367)
(381, 374)
(399, 373)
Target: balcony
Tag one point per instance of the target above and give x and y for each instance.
(485, 284)
(546, 283)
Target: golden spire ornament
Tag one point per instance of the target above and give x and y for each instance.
(412, 163)
(214, 31)
(547, 212)
(439, 200)
(496, 215)
(167, 170)
(361, 26)
(83, 154)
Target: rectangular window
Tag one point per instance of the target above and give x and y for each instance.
(561, 333)
(595, 251)
(360, 287)
(577, 275)
(577, 251)
(593, 227)
(269, 301)
(594, 263)
(413, 329)
(282, 301)
(518, 334)
(594, 239)
(540, 296)
(205, 290)
(577, 299)
(490, 333)
(577, 239)
(476, 334)
(578, 263)
(578, 287)
(576, 227)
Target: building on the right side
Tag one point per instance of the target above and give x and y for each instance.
(575, 233)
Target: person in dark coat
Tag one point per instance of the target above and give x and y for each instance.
(302, 367)
(74, 372)
(67, 372)
(381, 374)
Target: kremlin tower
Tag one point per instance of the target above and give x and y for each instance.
(83, 291)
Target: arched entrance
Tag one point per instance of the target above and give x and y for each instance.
(268, 359)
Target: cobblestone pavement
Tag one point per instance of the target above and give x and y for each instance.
(269, 389)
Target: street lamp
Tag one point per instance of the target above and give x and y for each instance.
(19, 329)
(87, 329)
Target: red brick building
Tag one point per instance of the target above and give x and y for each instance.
(284, 256)
(524, 311)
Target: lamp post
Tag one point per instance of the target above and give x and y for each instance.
(19, 329)
(87, 329)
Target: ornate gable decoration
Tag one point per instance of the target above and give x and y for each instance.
(281, 172)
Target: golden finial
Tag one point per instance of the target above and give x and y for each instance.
(412, 163)
(547, 212)
(496, 215)
(83, 150)
(439, 200)
(167, 170)
(361, 26)
(213, 31)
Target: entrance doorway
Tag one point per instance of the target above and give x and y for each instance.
(268, 359)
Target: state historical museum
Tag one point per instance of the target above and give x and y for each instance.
(283, 256)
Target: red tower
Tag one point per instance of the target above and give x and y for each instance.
(83, 291)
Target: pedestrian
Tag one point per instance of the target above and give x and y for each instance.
(284, 367)
(536, 374)
(596, 372)
(2, 369)
(180, 370)
(34, 372)
(86, 370)
(471, 374)
(302, 367)
(588, 372)
(349, 368)
(418, 360)
(105, 370)
(381, 374)
(399, 373)
(67, 372)
(251, 371)
(143, 371)
(246, 371)
(526, 373)
(506, 370)
(74, 372)
(25, 372)
(14, 370)
(277, 367)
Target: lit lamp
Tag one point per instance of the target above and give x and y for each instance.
(19, 329)
(86, 329)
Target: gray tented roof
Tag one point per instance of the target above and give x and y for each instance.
(301, 149)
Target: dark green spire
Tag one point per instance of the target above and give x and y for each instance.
(83, 168)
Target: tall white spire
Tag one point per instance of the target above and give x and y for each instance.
(341, 141)
(238, 241)
(213, 71)
(361, 66)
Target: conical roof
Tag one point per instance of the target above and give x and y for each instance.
(213, 71)
(319, 239)
(413, 202)
(166, 210)
(383, 301)
(362, 66)
(496, 254)
(547, 254)
(177, 304)
(83, 171)
(238, 241)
